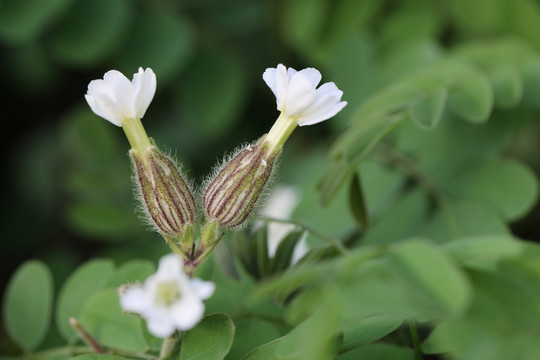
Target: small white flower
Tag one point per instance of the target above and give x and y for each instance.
(297, 95)
(168, 300)
(116, 99)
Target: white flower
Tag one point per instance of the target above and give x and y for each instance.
(297, 95)
(116, 99)
(281, 204)
(168, 300)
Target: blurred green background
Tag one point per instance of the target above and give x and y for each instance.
(66, 189)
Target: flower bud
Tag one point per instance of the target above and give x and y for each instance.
(230, 197)
(164, 194)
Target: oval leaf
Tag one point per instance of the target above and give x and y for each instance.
(211, 339)
(429, 271)
(104, 319)
(28, 304)
(78, 288)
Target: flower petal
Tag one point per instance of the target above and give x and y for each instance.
(269, 77)
(203, 289)
(313, 75)
(160, 327)
(326, 109)
(300, 96)
(144, 83)
(170, 266)
(134, 299)
(187, 313)
(282, 86)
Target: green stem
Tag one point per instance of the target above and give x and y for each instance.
(86, 336)
(136, 135)
(336, 243)
(416, 340)
(168, 346)
(280, 132)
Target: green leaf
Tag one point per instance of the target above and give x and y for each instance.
(284, 252)
(379, 352)
(160, 39)
(472, 98)
(484, 179)
(357, 202)
(28, 304)
(483, 249)
(426, 111)
(428, 270)
(104, 319)
(363, 331)
(507, 86)
(132, 271)
(24, 20)
(463, 218)
(211, 339)
(91, 31)
(98, 357)
(400, 220)
(333, 180)
(251, 333)
(78, 288)
(260, 252)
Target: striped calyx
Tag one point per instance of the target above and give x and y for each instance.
(230, 197)
(165, 195)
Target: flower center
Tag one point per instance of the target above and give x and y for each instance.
(167, 293)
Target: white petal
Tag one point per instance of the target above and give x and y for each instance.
(160, 327)
(144, 83)
(134, 299)
(329, 89)
(326, 110)
(202, 289)
(187, 313)
(104, 108)
(313, 75)
(300, 96)
(170, 266)
(282, 86)
(269, 77)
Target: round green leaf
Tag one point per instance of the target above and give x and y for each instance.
(23, 20)
(472, 97)
(429, 271)
(251, 333)
(78, 288)
(160, 39)
(28, 304)
(104, 319)
(132, 271)
(211, 339)
(505, 184)
(91, 31)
